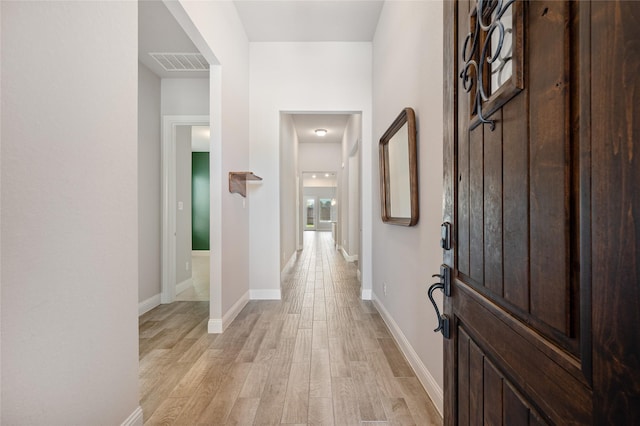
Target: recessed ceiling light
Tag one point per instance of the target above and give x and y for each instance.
(326, 175)
(321, 132)
(313, 176)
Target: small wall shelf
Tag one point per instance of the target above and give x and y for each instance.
(238, 182)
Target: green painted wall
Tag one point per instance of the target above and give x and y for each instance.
(200, 200)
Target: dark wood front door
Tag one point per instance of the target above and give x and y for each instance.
(542, 191)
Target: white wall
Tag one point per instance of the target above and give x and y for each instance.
(352, 234)
(288, 188)
(320, 180)
(407, 72)
(70, 213)
(149, 175)
(319, 157)
(183, 195)
(185, 96)
(219, 34)
(349, 222)
(299, 77)
(0, 218)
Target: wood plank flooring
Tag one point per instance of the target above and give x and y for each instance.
(321, 356)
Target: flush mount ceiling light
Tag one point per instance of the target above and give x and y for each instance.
(320, 132)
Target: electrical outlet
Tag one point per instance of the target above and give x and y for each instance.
(384, 288)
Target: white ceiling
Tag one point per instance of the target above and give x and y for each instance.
(159, 32)
(309, 20)
(319, 179)
(334, 124)
(287, 20)
(264, 21)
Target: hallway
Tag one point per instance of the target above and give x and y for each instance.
(319, 356)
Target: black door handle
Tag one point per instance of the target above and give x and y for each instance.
(443, 321)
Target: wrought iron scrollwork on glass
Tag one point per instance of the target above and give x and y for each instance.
(488, 48)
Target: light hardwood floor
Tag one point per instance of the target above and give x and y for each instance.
(321, 356)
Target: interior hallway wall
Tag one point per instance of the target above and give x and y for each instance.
(216, 29)
(149, 176)
(349, 222)
(405, 257)
(0, 216)
(289, 199)
(352, 234)
(298, 77)
(319, 157)
(69, 213)
(185, 96)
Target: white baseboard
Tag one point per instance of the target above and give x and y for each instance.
(366, 294)
(135, 419)
(428, 382)
(232, 313)
(265, 294)
(184, 285)
(147, 305)
(214, 326)
(199, 252)
(348, 257)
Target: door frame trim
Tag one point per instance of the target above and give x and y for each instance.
(450, 88)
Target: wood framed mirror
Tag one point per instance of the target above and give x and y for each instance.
(399, 171)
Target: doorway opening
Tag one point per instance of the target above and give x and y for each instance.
(177, 181)
(193, 215)
(163, 91)
(320, 181)
(309, 213)
(319, 190)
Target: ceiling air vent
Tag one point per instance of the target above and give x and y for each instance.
(181, 61)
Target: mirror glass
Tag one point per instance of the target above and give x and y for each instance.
(399, 182)
(399, 171)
